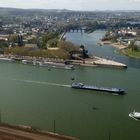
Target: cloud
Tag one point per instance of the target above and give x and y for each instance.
(134, 0)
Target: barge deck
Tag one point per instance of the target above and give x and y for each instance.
(102, 89)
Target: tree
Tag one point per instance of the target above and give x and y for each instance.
(133, 46)
(12, 38)
(20, 40)
(52, 43)
(84, 52)
(3, 44)
(42, 42)
(49, 38)
(68, 46)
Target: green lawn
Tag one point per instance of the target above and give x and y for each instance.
(129, 52)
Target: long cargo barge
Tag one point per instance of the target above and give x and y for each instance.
(102, 89)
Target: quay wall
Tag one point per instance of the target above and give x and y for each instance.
(93, 61)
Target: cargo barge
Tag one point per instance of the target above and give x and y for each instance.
(102, 89)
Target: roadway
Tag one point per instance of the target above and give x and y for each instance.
(17, 134)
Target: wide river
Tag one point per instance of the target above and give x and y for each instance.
(31, 95)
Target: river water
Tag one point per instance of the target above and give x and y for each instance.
(35, 96)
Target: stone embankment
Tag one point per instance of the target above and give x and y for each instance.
(106, 62)
(92, 61)
(98, 61)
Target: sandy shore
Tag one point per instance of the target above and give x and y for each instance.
(116, 45)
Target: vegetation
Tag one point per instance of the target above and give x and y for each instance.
(133, 46)
(132, 51)
(129, 52)
(48, 39)
(3, 44)
(84, 52)
(12, 38)
(61, 54)
(65, 49)
(68, 46)
(53, 43)
(109, 37)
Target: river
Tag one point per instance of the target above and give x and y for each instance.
(36, 96)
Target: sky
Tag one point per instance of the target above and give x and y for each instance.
(89, 5)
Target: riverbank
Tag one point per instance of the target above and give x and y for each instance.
(108, 63)
(21, 132)
(123, 49)
(130, 53)
(93, 61)
(115, 45)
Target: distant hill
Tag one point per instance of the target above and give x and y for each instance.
(37, 12)
(29, 12)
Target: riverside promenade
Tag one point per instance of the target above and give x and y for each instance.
(106, 62)
(98, 62)
(93, 61)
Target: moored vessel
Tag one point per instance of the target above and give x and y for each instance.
(58, 65)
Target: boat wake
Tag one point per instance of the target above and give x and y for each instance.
(133, 117)
(40, 82)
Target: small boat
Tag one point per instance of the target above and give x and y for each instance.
(58, 65)
(135, 115)
(102, 89)
(24, 61)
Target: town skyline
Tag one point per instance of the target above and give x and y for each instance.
(79, 5)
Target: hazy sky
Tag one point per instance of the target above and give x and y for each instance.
(74, 4)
